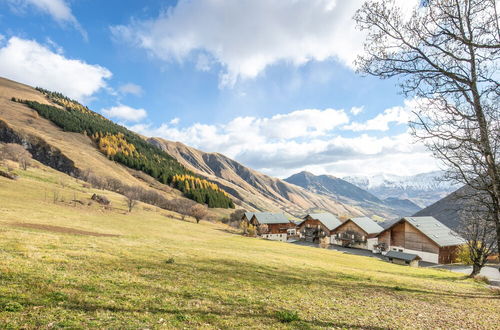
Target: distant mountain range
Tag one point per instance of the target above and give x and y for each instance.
(422, 189)
(348, 193)
(253, 190)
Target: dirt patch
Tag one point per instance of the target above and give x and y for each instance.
(57, 229)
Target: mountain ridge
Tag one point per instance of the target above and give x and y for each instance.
(346, 192)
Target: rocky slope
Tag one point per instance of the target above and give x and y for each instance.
(255, 190)
(348, 193)
(422, 189)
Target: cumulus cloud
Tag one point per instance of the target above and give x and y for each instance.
(305, 139)
(125, 112)
(246, 36)
(398, 115)
(130, 88)
(31, 63)
(59, 10)
(175, 121)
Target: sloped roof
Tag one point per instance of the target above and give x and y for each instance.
(269, 218)
(368, 225)
(402, 255)
(249, 215)
(329, 220)
(436, 231)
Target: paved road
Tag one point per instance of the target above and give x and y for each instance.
(490, 272)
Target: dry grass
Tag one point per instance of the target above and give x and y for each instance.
(165, 273)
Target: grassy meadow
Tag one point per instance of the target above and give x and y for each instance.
(67, 265)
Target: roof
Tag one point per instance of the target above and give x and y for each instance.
(368, 225)
(249, 215)
(329, 220)
(269, 218)
(436, 231)
(402, 255)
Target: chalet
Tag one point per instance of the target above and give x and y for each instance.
(317, 227)
(273, 226)
(424, 236)
(358, 233)
(402, 258)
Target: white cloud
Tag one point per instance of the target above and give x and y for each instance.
(175, 121)
(29, 62)
(398, 115)
(131, 88)
(246, 36)
(305, 139)
(58, 9)
(125, 112)
(357, 110)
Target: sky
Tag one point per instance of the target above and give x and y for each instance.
(272, 84)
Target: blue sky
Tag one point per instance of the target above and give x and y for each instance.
(271, 84)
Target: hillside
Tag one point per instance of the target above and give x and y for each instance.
(446, 210)
(257, 191)
(71, 265)
(71, 138)
(348, 193)
(422, 189)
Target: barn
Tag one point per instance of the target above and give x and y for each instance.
(358, 233)
(316, 227)
(424, 236)
(273, 226)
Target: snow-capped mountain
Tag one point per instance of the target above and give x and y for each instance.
(423, 189)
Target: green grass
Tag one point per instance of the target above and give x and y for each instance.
(166, 273)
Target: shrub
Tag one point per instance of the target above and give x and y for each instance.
(170, 261)
(286, 316)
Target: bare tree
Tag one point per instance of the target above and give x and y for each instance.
(479, 234)
(132, 195)
(198, 212)
(446, 55)
(16, 153)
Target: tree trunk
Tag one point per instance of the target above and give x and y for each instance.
(476, 269)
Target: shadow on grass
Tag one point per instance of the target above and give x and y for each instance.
(217, 283)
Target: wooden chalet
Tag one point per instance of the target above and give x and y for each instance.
(424, 236)
(402, 258)
(317, 227)
(358, 233)
(273, 226)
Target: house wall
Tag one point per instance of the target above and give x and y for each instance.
(312, 223)
(279, 228)
(407, 238)
(448, 254)
(275, 237)
(351, 226)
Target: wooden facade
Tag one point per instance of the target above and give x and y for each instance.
(350, 234)
(403, 236)
(313, 230)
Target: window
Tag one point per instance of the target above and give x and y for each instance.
(407, 262)
(400, 250)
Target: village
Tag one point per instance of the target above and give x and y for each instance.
(405, 241)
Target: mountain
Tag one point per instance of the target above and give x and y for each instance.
(447, 210)
(70, 138)
(348, 193)
(254, 190)
(422, 189)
